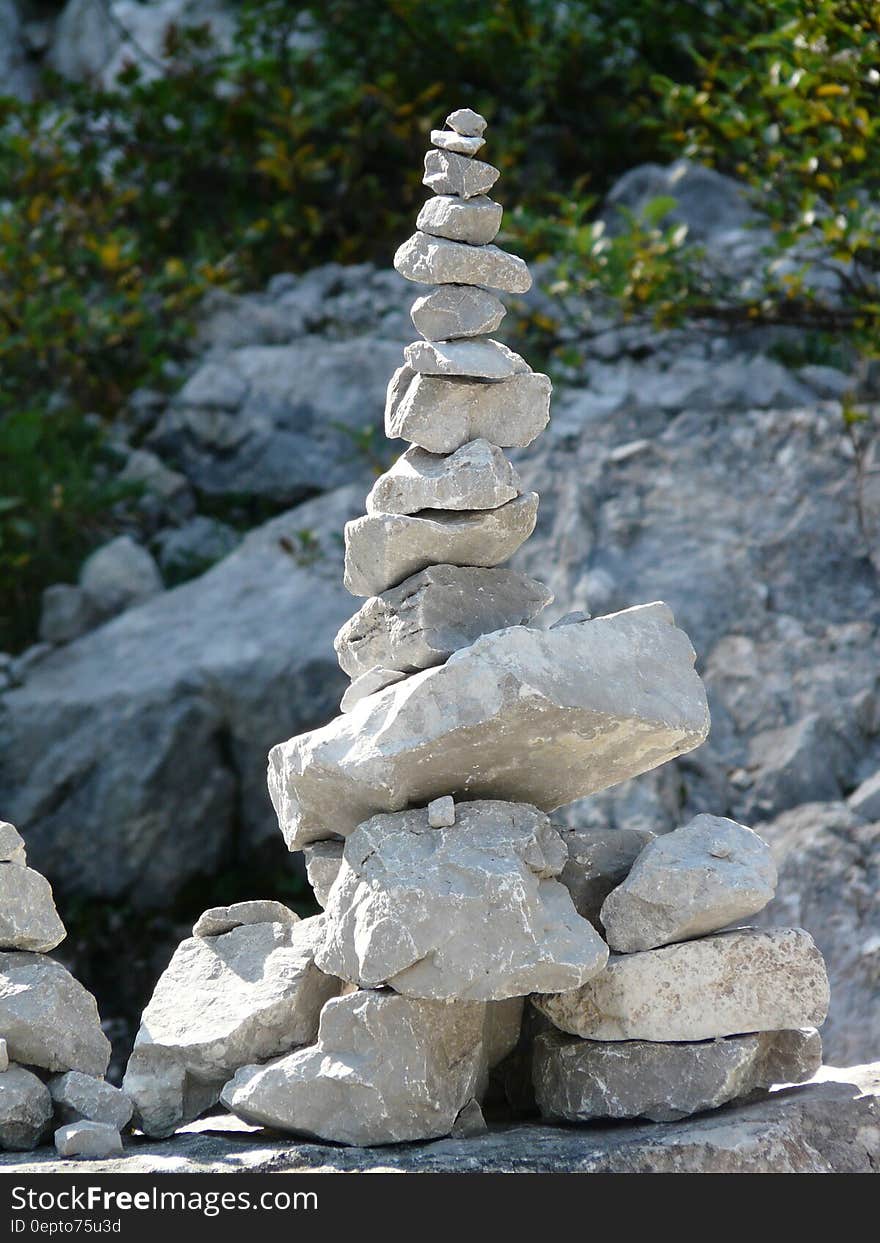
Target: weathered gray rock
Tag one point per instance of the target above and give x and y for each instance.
(118, 576)
(723, 985)
(47, 1018)
(433, 614)
(697, 879)
(381, 550)
(579, 1080)
(446, 172)
(222, 1002)
(219, 919)
(88, 1139)
(323, 861)
(25, 1109)
(476, 476)
(83, 1098)
(485, 360)
(441, 812)
(466, 121)
(598, 860)
(469, 912)
(375, 679)
(65, 613)
(4, 1055)
(346, 1088)
(442, 414)
(591, 705)
(475, 221)
(28, 919)
(470, 1122)
(438, 261)
(456, 311)
(461, 143)
(11, 845)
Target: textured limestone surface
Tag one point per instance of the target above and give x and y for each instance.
(598, 860)
(84, 1098)
(456, 311)
(438, 261)
(28, 919)
(442, 413)
(47, 1018)
(219, 919)
(476, 476)
(323, 861)
(477, 359)
(446, 172)
(475, 221)
(25, 1109)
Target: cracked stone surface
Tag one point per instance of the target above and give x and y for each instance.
(446, 172)
(441, 413)
(598, 860)
(28, 919)
(475, 221)
(476, 476)
(453, 311)
(438, 261)
(47, 1018)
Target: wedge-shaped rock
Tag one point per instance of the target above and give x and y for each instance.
(375, 679)
(446, 172)
(83, 1098)
(25, 1109)
(441, 414)
(219, 919)
(697, 879)
(11, 845)
(541, 717)
(47, 1018)
(438, 261)
(476, 476)
(456, 311)
(475, 221)
(433, 614)
(598, 860)
(386, 1069)
(381, 550)
(466, 121)
(578, 1080)
(88, 1139)
(468, 912)
(483, 359)
(28, 919)
(724, 985)
(462, 143)
(222, 1002)
(323, 861)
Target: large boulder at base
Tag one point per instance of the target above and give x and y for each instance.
(442, 413)
(468, 912)
(221, 1003)
(47, 1018)
(28, 919)
(598, 860)
(25, 1109)
(724, 985)
(579, 1080)
(386, 1069)
(588, 705)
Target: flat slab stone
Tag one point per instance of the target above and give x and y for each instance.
(28, 919)
(438, 261)
(25, 1109)
(475, 221)
(698, 879)
(470, 912)
(724, 985)
(476, 476)
(598, 860)
(85, 1098)
(88, 1139)
(590, 705)
(219, 919)
(434, 613)
(483, 359)
(456, 311)
(441, 413)
(47, 1018)
(375, 679)
(11, 845)
(381, 550)
(466, 121)
(580, 1080)
(323, 861)
(463, 144)
(446, 172)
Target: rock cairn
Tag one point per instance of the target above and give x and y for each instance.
(449, 896)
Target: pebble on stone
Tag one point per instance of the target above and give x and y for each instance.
(438, 261)
(219, 919)
(482, 360)
(463, 144)
(476, 476)
(28, 919)
(11, 845)
(47, 1018)
(84, 1098)
(25, 1109)
(598, 860)
(88, 1139)
(454, 311)
(375, 679)
(466, 121)
(475, 221)
(441, 812)
(441, 414)
(447, 172)
(323, 861)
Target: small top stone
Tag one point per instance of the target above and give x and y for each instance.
(466, 121)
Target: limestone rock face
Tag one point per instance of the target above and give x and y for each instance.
(578, 1080)
(483, 359)
(25, 1109)
(219, 919)
(446, 172)
(476, 476)
(694, 880)
(469, 911)
(433, 614)
(11, 845)
(47, 1018)
(723, 985)
(83, 1098)
(456, 311)
(589, 705)
(381, 550)
(323, 861)
(437, 261)
(88, 1139)
(442, 414)
(223, 1001)
(28, 919)
(474, 220)
(598, 860)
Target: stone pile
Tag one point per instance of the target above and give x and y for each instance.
(449, 896)
(53, 1053)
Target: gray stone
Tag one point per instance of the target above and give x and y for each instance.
(25, 1109)
(724, 985)
(65, 613)
(476, 476)
(705, 200)
(375, 679)
(579, 1080)
(4, 1055)
(485, 360)
(456, 311)
(441, 812)
(470, 1122)
(442, 414)
(219, 919)
(461, 143)
(574, 618)
(83, 1098)
(466, 121)
(433, 614)
(590, 705)
(191, 549)
(865, 801)
(118, 576)
(28, 919)
(11, 845)
(470, 913)
(438, 261)
(446, 172)
(598, 860)
(222, 1002)
(381, 550)
(323, 861)
(88, 1139)
(697, 879)
(475, 221)
(47, 1018)
(167, 494)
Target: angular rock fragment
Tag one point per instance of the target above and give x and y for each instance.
(88, 1139)
(453, 311)
(28, 919)
(697, 879)
(381, 550)
(476, 476)
(469, 1122)
(83, 1098)
(25, 1109)
(223, 1001)
(375, 679)
(579, 1080)
(47, 1018)
(323, 861)
(461, 143)
(485, 360)
(466, 121)
(724, 985)
(475, 221)
(441, 812)
(219, 919)
(11, 845)
(434, 613)
(588, 706)
(438, 261)
(598, 860)
(4, 1055)
(469, 912)
(442, 414)
(446, 172)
